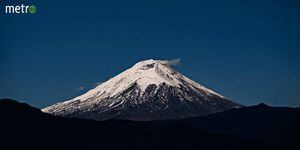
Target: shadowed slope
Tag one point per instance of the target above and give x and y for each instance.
(24, 127)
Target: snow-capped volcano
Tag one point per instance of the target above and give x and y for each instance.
(150, 90)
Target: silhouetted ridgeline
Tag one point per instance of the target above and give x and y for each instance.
(255, 127)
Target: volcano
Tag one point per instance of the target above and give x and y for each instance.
(150, 90)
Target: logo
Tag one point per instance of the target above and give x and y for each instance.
(20, 9)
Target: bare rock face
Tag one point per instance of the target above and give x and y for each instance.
(150, 90)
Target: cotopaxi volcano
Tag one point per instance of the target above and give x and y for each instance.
(150, 90)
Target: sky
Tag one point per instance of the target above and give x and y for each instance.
(248, 51)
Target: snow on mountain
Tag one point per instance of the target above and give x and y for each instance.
(150, 90)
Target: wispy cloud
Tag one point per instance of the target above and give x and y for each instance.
(97, 83)
(172, 62)
(80, 88)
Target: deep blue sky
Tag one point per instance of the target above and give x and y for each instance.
(248, 51)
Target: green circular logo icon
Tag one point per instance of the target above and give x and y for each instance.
(32, 9)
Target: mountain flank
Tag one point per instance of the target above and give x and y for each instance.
(254, 127)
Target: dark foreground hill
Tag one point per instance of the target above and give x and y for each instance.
(256, 127)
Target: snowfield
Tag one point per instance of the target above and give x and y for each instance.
(150, 90)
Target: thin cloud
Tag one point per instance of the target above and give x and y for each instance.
(97, 83)
(80, 88)
(172, 62)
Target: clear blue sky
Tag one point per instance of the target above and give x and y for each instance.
(248, 51)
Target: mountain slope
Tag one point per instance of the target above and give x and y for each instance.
(259, 122)
(24, 127)
(150, 90)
